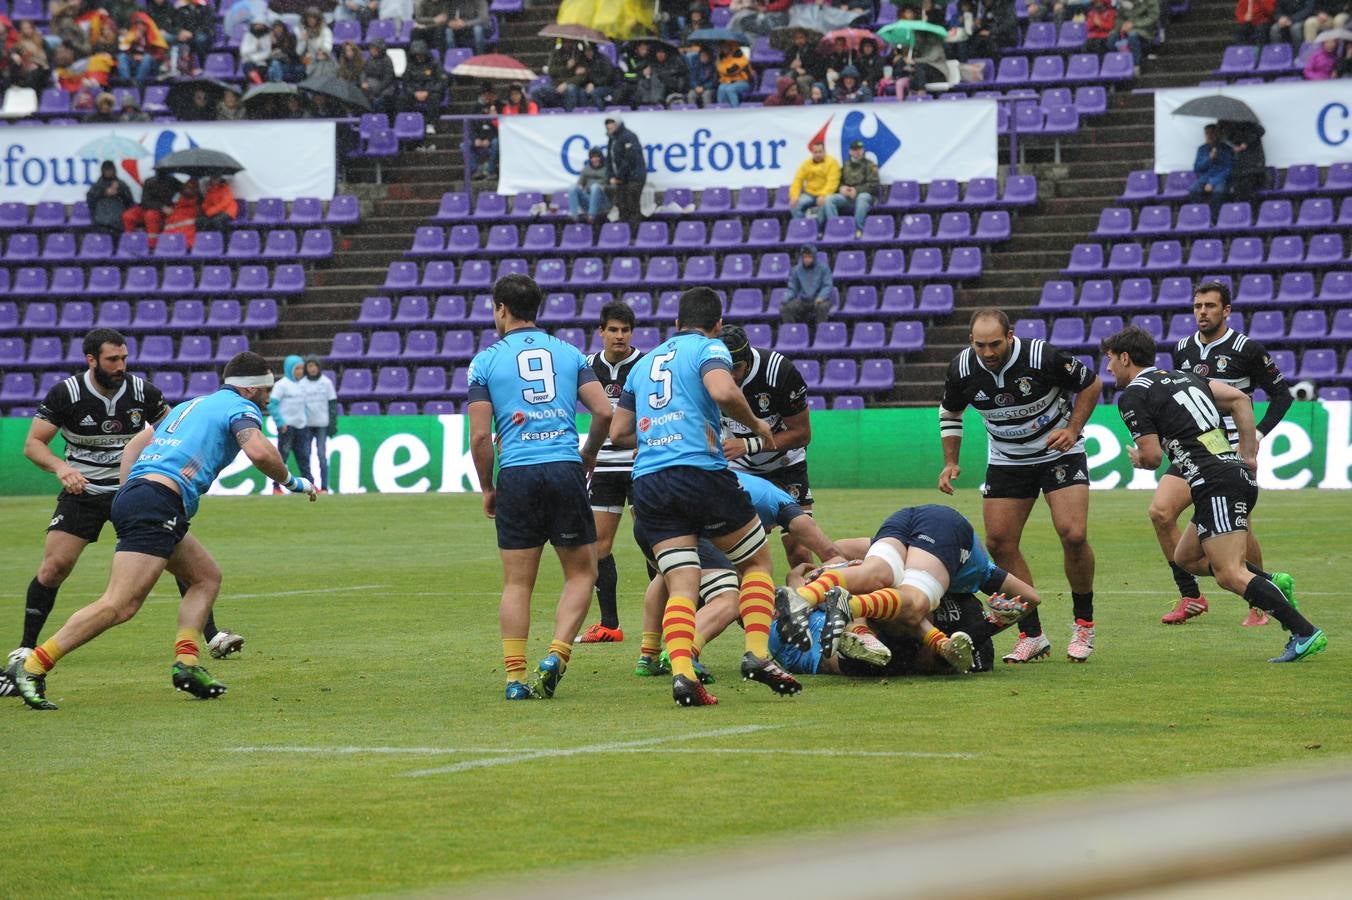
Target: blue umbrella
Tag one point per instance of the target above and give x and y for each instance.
(718, 36)
(113, 148)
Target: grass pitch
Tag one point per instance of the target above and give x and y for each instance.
(365, 746)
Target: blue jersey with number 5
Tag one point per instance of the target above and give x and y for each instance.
(531, 378)
(196, 441)
(677, 421)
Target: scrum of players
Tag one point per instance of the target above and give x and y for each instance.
(705, 438)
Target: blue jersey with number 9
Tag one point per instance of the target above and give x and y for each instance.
(676, 419)
(196, 441)
(531, 378)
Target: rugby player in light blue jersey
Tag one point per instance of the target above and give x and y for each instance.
(164, 472)
(526, 387)
(683, 489)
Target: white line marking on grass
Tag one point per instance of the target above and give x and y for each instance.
(517, 751)
(387, 751)
(612, 747)
(345, 589)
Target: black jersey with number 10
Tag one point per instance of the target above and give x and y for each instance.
(1180, 410)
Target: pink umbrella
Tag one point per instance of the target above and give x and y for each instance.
(494, 67)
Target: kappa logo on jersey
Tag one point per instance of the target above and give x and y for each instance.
(87, 422)
(964, 555)
(981, 395)
(924, 537)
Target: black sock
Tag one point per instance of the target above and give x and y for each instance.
(1083, 605)
(1266, 596)
(607, 579)
(1186, 581)
(1030, 624)
(38, 607)
(209, 630)
(1257, 571)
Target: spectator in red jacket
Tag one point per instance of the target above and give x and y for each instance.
(1253, 19)
(1100, 22)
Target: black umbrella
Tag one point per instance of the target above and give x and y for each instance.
(199, 163)
(782, 38)
(653, 42)
(1218, 106)
(339, 89)
(181, 93)
(268, 89)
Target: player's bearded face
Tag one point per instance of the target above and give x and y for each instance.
(111, 372)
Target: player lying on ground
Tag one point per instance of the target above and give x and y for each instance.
(163, 474)
(919, 554)
(1180, 413)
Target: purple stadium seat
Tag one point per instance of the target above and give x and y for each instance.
(848, 401)
(839, 375)
(1300, 180)
(1057, 295)
(440, 407)
(21, 248)
(438, 275)
(171, 245)
(1285, 361)
(67, 281)
(401, 407)
(1048, 69)
(1082, 68)
(1336, 288)
(1102, 327)
(981, 193)
(316, 243)
(1116, 67)
(1085, 258)
(512, 266)
(428, 381)
(1234, 217)
(936, 300)
(18, 387)
(1315, 212)
(1238, 59)
(170, 384)
(1181, 325)
(902, 194)
(188, 315)
(195, 349)
(455, 207)
(155, 350)
(420, 345)
(1176, 185)
(140, 280)
(715, 200)
(1126, 258)
(1071, 36)
(383, 346)
(1267, 327)
(44, 353)
(1318, 365)
(1068, 333)
(59, 247)
(1245, 252)
(448, 310)
(357, 383)
(1277, 215)
(1254, 289)
(76, 315)
(1325, 250)
(963, 262)
(1096, 293)
(228, 346)
(1152, 324)
(1193, 218)
(558, 308)
(502, 239)
(624, 270)
(831, 337)
(868, 337)
(876, 375)
(260, 314)
(412, 310)
(613, 236)
(96, 247)
(1142, 185)
(360, 386)
(1308, 325)
(1154, 220)
(457, 344)
(1164, 256)
(1030, 329)
(11, 352)
(344, 209)
(306, 211)
(115, 314)
(1275, 59)
(1115, 222)
(1012, 70)
(281, 244)
(430, 240)
(347, 346)
(792, 339)
(943, 192)
(954, 226)
(906, 337)
(1341, 329)
(401, 276)
(1040, 36)
(652, 235)
(728, 233)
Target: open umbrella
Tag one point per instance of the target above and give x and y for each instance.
(268, 89)
(180, 95)
(905, 30)
(653, 42)
(574, 33)
(851, 36)
(337, 88)
(1333, 34)
(1217, 106)
(782, 38)
(199, 163)
(494, 67)
(717, 36)
(113, 148)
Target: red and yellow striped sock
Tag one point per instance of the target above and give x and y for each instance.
(514, 659)
(933, 638)
(884, 604)
(678, 633)
(861, 629)
(815, 591)
(650, 644)
(562, 649)
(699, 642)
(756, 605)
(41, 660)
(187, 646)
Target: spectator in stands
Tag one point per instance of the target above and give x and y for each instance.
(1289, 21)
(801, 62)
(703, 78)
(1250, 174)
(396, 11)
(321, 415)
(1213, 165)
(518, 104)
(157, 202)
(860, 187)
(131, 110)
(284, 62)
(220, 209)
(626, 168)
(594, 77)
(734, 74)
(243, 13)
(1327, 14)
(182, 219)
(350, 63)
(457, 23)
(870, 64)
(1253, 20)
(1136, 24)
(648, 89)
(288, 409)
(141, 50)
(961, 26)
(424, 85)
(105, 108)
(1048, 11)
(1100, 23)
(815, 181)
(26, 59)
(109, 198)
(377, 77)
(636, 56)
(200, 109)
(817, 95)
(670, 18)
(671, 69)
(850, 88)
(483, 133)
(314, 44)
(997, 30)
(695, 19)
(759, 16)
(590, 191)
(194, 33)
(229, 109)
(809, 296)
(360, 11)
(786, 93)
(1323, 62)
(255, 52)
(839, 57)
(560, 92)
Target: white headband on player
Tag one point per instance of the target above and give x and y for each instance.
(264, 380)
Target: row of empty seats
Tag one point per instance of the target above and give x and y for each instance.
(1205, 254)
(1313, 213)
(1293, 289)
(147, 350)
(1143, 185)
(1265, 326)
(73, 316)
(23, 247)
(140, 281)
(18, 389)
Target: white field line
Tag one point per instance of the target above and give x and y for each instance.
(376, 751)
(345, 589)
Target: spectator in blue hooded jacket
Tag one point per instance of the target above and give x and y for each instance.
(1214, 163)
(287, 408)
(809, 297)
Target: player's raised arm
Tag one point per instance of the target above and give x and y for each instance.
(267, 460)
(728, 395)
(1236, 404)
(593, 396)
(37, 447)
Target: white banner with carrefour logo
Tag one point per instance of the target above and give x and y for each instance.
(280, 159)
(1308, 122)
(757, 146)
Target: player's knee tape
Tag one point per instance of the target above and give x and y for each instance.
(715, 582)
(926, 583)
(750, 544)
(669, 561)
(890, 555)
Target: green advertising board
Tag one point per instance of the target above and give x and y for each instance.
(882, 448)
